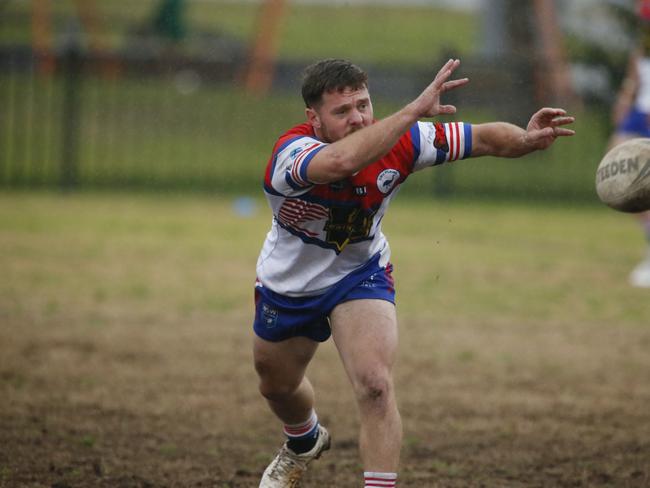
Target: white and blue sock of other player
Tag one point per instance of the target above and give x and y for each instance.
(379, 480)
(302, 437)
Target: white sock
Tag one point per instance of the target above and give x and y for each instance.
(302, 429)
(380, 480)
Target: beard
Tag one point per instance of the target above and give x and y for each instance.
(326, 134)
(354, 129)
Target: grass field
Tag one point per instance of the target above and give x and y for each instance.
(125, 346)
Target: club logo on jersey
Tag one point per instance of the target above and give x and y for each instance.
(440, 141)
(387, 179)
(294, 154)
(347, 225)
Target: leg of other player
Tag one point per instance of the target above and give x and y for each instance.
(644, 217)
(640, 275)
(281, 368)
(365, 333)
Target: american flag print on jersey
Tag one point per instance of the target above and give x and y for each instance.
(320, 233)
(294, 212)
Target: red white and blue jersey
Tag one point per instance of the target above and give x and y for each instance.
(323, 232)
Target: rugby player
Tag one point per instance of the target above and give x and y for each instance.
(324, 269)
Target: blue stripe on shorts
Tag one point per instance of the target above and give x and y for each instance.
(279, 317)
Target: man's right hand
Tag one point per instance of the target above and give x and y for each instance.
(428, 103)
(348, 155)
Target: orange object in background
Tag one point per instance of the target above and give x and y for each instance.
(42, 36)
(258, 76)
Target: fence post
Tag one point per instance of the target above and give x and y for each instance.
(443, 181)
(72, 84)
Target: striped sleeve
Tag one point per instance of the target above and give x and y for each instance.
(289, 166)
(442, 142)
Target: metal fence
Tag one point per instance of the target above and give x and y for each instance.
(100, 122)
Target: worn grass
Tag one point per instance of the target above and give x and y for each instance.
(125, 346)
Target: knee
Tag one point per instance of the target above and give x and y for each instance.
(273, 386)
(277, 391)
(374, 390)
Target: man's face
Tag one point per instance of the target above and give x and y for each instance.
(341, 113)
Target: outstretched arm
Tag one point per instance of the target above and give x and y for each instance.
(509, 141)
(346, 156)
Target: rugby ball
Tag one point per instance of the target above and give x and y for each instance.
(623, 176)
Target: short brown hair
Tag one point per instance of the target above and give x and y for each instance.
(330, 75)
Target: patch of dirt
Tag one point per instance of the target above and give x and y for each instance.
(141, 405)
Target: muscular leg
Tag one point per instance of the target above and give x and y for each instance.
(644, 220)
(281, 368)
(365, 333)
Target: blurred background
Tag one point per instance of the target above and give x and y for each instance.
(190, 95)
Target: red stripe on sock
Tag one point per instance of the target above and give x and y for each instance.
(300, 430)
(380, 482)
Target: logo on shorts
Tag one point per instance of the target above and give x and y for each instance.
(369, 283)
(269, 316)
(387, 179)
